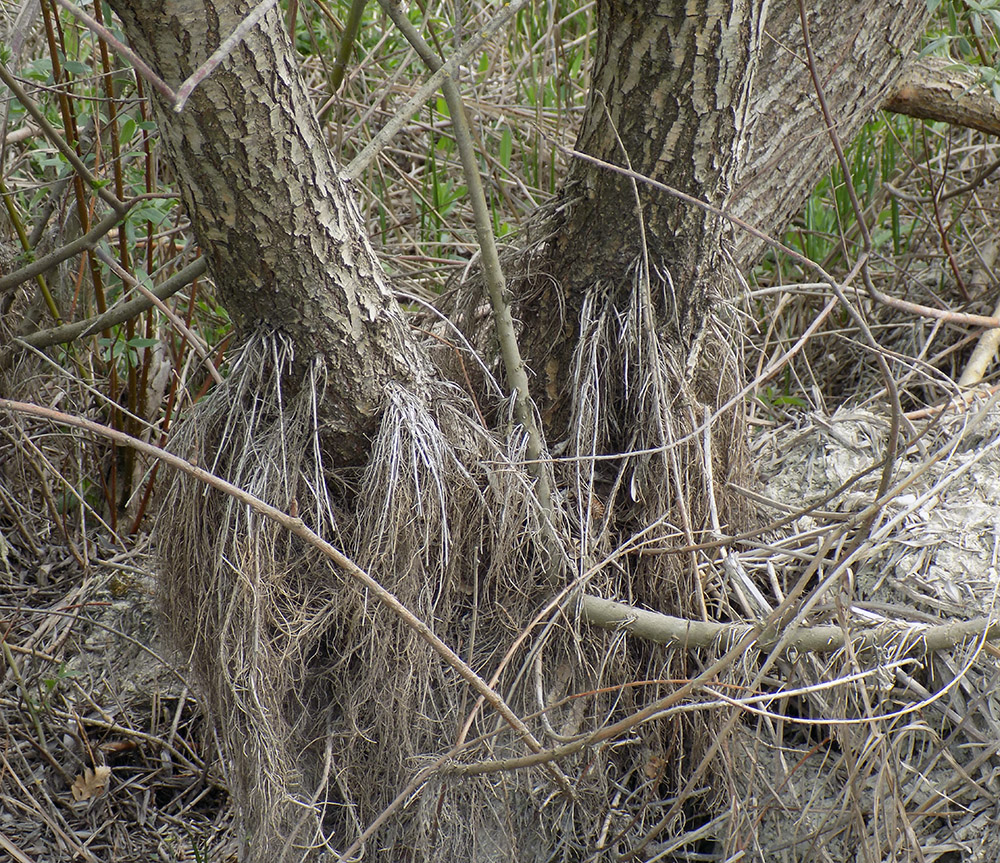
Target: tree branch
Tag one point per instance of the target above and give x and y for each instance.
(57, 256)
(358, 164)
(516, 373)
(932, 88)
(679, 632)
(116, 315)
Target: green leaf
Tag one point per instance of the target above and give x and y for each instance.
(794, 401)
(935, 45)
(506, 148)
(149, 213)
(126, 131)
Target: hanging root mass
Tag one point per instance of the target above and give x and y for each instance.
(330, 704)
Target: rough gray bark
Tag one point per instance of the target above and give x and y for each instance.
(284, 241)
(861, 48)
(289, 255)
(669, 99)
(639, 275)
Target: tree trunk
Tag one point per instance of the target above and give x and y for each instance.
(861, 50)
(335, 411)
(642, 284)
(329, 378)
(285, 244)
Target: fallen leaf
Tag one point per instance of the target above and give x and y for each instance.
(655, 767)
(91, 783)
(117, 747)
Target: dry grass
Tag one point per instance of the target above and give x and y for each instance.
(333, 705)
(87, 686)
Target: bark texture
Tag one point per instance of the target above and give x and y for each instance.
(328, 372)
(285, 244)
(669, 99)
(932, 88)
(861, 49)
(646, 351)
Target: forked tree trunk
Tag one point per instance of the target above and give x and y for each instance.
(623, 334)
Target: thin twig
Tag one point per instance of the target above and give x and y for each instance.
(196, 342)
(878, 296)
(500, 299)
(57, 140)
(220, 54)
(57, 256)
(972, 185)
(121, 48)
(896, 410)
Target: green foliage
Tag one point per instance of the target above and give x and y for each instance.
(52, 683)
(828, 226)
(968, 32)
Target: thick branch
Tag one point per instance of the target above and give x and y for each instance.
(118, 314)
(935, 89)
(689, 634)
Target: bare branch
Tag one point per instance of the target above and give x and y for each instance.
(679, 632)
(220, 54)
(357, 166)
(46, 263)
(935, 89)
(517, 376)
(121, 48)
(116, 315)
